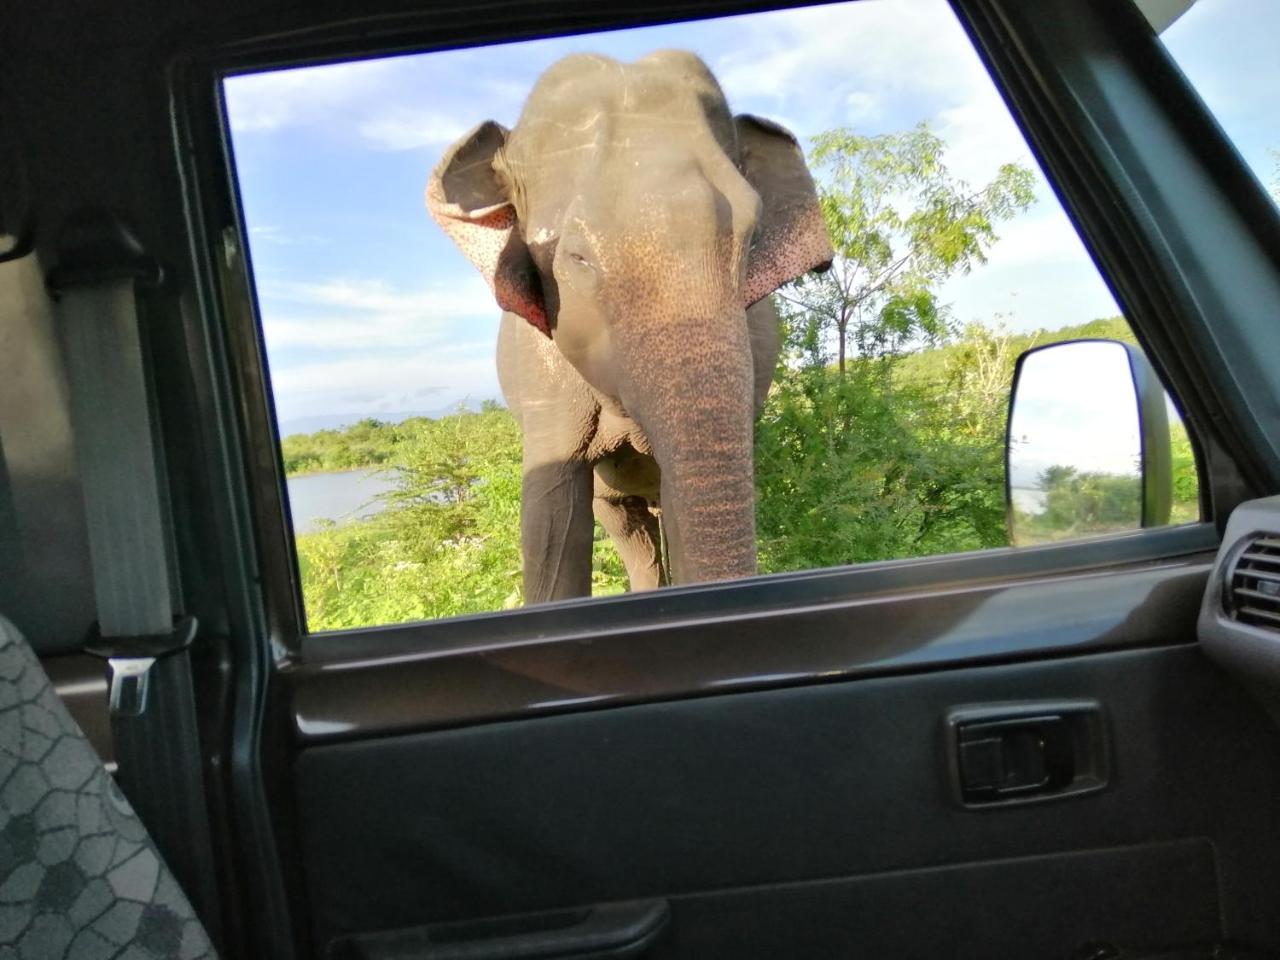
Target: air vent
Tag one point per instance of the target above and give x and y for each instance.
(1253, 587)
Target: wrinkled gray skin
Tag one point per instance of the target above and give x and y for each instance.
(632, 229)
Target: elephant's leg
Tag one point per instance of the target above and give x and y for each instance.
(557, 415)
(633, 528)
(763, 329)
(555, 528)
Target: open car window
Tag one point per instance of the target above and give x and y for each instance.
(433, 463)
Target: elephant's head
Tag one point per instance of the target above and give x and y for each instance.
(632, 219)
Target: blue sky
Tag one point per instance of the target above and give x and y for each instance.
(369, 310)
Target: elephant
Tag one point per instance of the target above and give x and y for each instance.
(632, 229)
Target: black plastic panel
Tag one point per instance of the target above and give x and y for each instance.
(722, 799)
(1134, 898)
(896, 620)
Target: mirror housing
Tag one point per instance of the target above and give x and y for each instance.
(1087, 446)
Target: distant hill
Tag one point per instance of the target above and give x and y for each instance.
(338, 421)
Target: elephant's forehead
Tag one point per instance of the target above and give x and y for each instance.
(654, 73)
(591, 99)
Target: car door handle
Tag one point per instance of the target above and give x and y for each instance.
(614, 930)
(1004, 754)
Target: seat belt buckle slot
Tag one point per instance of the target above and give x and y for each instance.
(130, 678)
(130, 659)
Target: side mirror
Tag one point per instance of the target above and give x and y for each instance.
(1088, 449)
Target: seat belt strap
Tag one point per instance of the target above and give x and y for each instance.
(153, 718)
(112, 423)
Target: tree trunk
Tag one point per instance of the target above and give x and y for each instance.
(842, 327)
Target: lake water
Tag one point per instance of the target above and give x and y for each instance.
(340, 497)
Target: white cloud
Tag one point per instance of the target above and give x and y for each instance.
(888, 47)
(773, 77)
(403, 128)
(379, 101)
(358, 316)
(466, 296)
(308, 95)
(980, 136)
(364, 346)
(440, 376)
(1042, 236)
(877, 66)
(861, 106)
(266, 233)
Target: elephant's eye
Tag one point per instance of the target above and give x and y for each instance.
(579, 272)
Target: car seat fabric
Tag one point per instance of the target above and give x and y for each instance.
(79, 876)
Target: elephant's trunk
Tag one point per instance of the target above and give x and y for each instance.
(698, 414)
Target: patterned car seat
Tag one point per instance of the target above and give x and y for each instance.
(79, 877)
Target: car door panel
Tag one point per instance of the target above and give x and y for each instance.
(812, 801)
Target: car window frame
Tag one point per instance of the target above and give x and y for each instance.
(229, 302)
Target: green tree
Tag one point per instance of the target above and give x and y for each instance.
(886, 460)
(366, 443)
(900, 224)
(882, 457)
(1186, 480)
(1081, 503)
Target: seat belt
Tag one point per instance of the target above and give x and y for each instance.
(152, 704)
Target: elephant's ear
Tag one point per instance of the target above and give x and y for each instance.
(791, 238)
(465, 196)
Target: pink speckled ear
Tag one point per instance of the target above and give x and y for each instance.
(791, 238)
(465, 196)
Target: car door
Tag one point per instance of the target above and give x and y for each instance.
(793, 766)
(1005, 753)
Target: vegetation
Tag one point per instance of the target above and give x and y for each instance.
(893, 459)
(369, 443)
(893, 447)
(448, 541)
